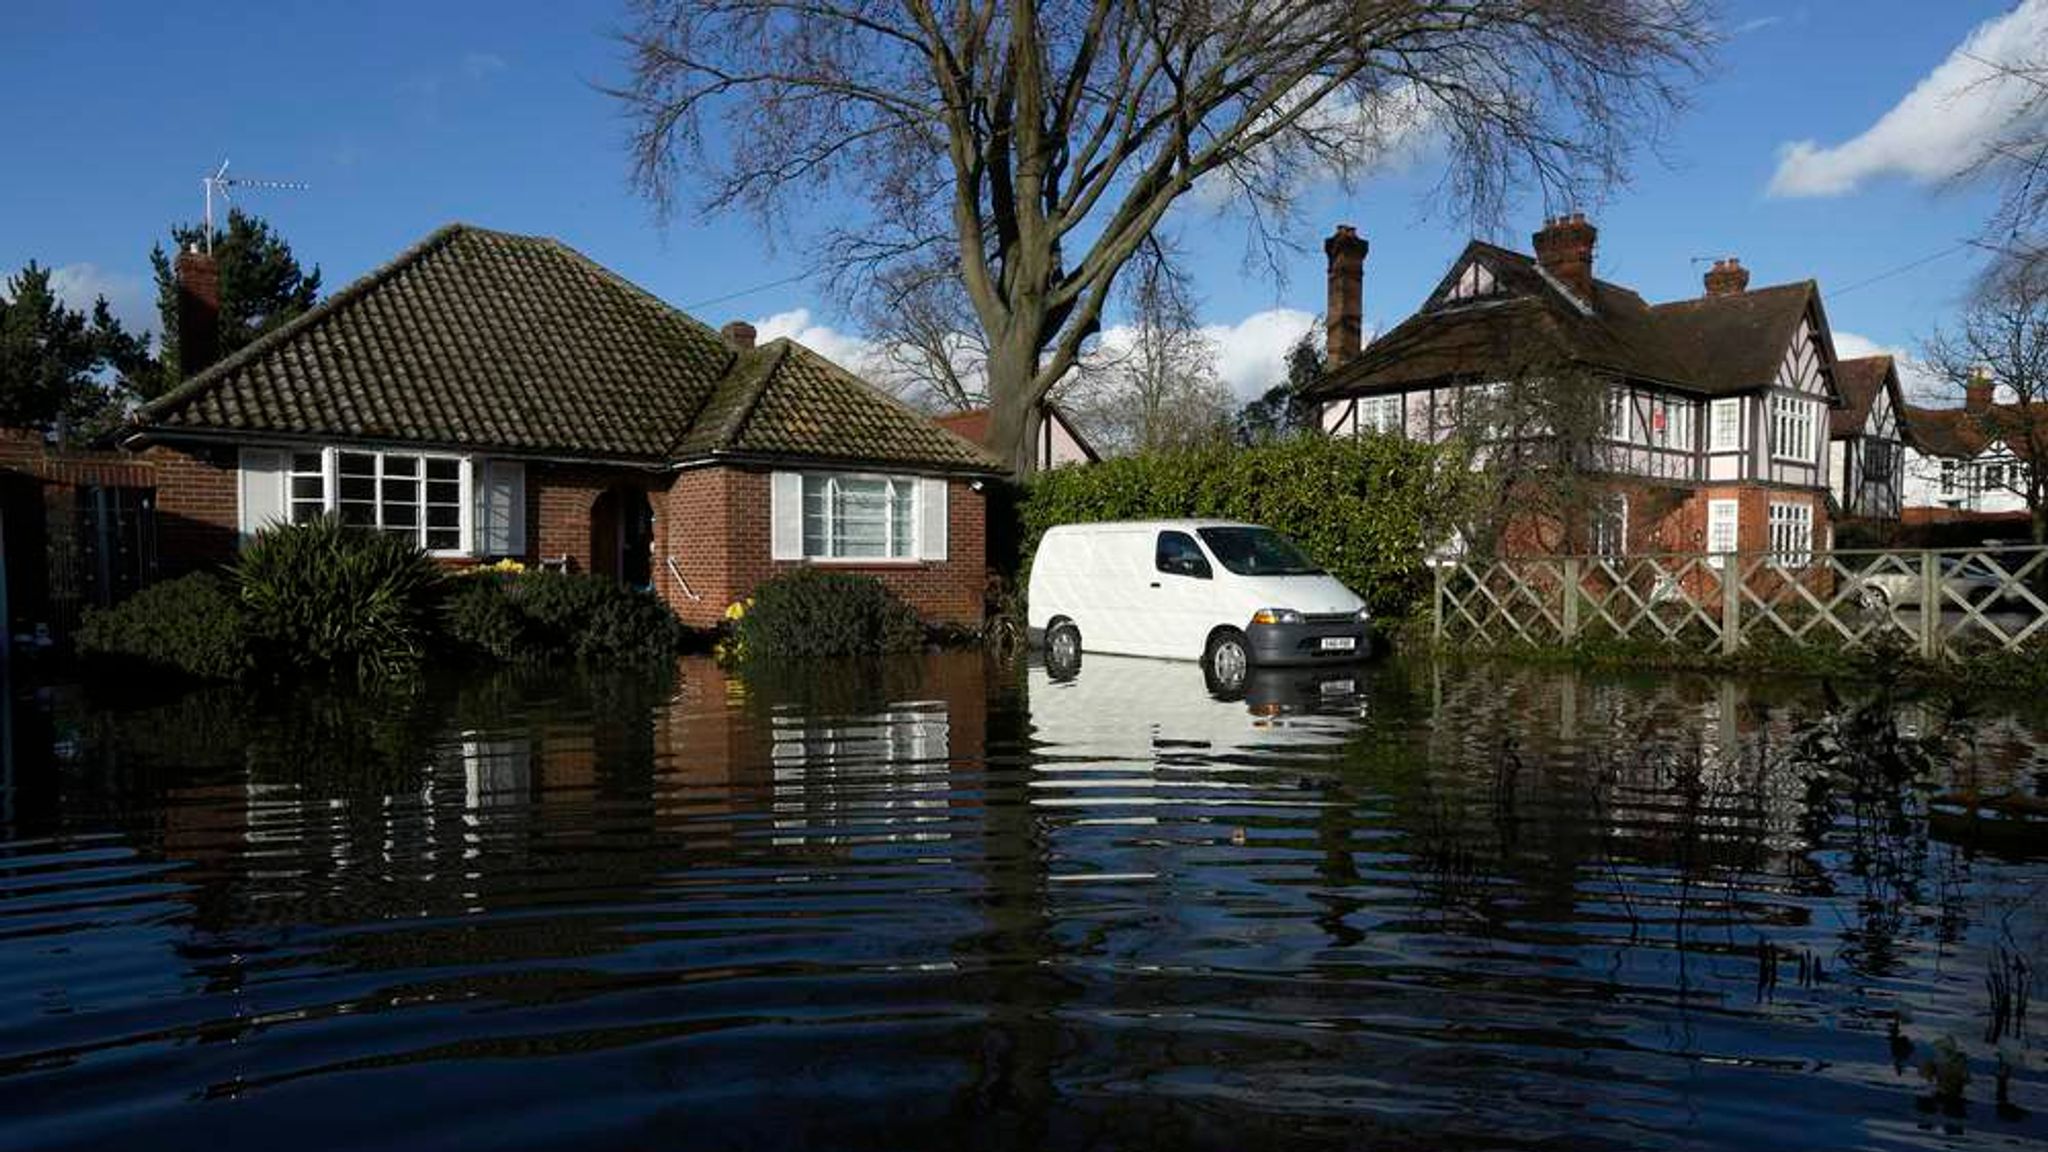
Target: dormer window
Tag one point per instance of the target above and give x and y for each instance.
(1474, 282)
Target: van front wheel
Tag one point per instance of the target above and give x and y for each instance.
(1228, 659)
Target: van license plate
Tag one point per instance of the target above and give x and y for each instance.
(1339, 643)
(1337, 687)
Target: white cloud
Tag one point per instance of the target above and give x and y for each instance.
(851, 351)
(1251, 355)
(1941, 127)
(1755, 25)
(1916, 380)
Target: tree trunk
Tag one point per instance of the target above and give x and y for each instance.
(1013, 403)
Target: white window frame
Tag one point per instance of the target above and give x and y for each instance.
(330, 493)
(1791, 533)
(1723, 514)
(914, 552)
(1671, 423)
(1725, 416)
(1621, 414)
(1792, 427)
(1381, 414)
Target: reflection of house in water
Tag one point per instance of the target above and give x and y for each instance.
(880, 776)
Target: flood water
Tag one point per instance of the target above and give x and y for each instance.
(952, 904)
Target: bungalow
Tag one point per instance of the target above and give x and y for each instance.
(1715, 408)
(498, 396)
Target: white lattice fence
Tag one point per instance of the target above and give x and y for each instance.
(1940, 602)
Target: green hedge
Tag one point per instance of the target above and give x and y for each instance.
(1368, 509)
(191, 625)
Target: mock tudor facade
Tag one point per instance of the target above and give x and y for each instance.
(497, 396)
(1970, 462)
(1718, 408)
(1866, 440)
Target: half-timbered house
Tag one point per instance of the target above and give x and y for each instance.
(1717, 408)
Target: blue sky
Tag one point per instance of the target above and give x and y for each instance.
(404, 116)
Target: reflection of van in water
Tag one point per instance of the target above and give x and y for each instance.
(1232, 595)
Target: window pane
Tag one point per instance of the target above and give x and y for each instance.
(443, 516)
(860, 517)
(306, 462)
(308, 488)
(303, 511)
(358, 464)
(401, 465)
(406, 516)
(901, 504)
(443, 539)
(444, 492)
(440, 468)
(362, 515)
(358, 488)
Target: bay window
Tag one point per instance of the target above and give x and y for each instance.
(1792, 427)
(1792, 533)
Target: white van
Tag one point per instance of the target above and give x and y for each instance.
(1231, 595)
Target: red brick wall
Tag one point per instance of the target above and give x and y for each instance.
(717, 528)
(198, 508)
(713, 522)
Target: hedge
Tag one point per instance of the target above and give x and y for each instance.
(1368, 509)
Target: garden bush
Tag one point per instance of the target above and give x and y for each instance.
(192, 625)
(323, 597)
(1367, 509)
(814, 612)
(552, 615)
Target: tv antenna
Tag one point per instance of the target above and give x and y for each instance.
(219, 182)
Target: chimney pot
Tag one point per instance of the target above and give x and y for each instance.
(1344, 313)
(198, 311)
(739, 334)
(1564, 248)
(1727, 278)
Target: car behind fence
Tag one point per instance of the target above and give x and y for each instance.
(1940, 603)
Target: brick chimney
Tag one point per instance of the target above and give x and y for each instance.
(1565, 250)
(1978, 392)
(198, 310)
(739, 334)
(1727, 278)
(1345, 311)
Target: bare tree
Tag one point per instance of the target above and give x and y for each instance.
(1037, 147)
(2016, 160)
(933, 354)
(1158, 390)
(1541, 436)
(2003, 335)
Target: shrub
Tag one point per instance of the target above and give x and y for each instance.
(325, 597)
(550, 615)
(482, 619)
(191, 625)
(814, 612)
(1368, 509)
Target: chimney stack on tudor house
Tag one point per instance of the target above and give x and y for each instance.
(1978, 392)
(1345, 311)
(198, 310)
(1564, 248)
(738, 334)
(1727, 278)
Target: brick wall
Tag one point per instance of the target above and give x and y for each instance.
(716, 526)
(198, 507)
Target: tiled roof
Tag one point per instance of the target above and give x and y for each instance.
(482, 339)
(1962, 434)
(1711, 345)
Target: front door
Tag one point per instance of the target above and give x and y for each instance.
(622, 536)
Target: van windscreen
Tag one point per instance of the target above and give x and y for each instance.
(1257, 552)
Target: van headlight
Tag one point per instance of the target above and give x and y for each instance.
(1277, 616)
(1364, 615)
